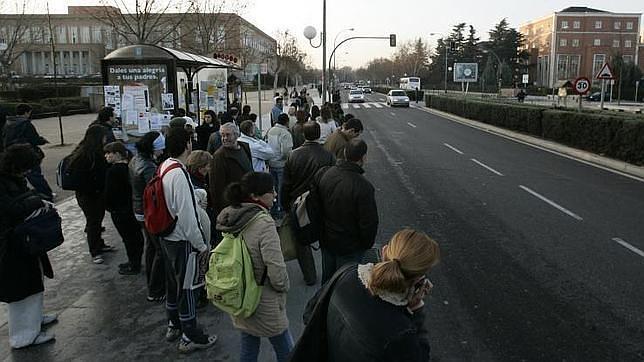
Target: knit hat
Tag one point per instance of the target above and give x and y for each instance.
(159, 143)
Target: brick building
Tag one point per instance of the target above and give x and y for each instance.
(82, 39)
(577, 41)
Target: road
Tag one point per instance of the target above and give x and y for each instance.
(541, 254)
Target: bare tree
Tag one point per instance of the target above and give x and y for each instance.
(13, 33)
(288, 57)
(214, 22)
(148, 22)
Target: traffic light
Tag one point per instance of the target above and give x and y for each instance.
(452, 45)
(392, 40)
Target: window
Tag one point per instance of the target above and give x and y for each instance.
(85, 35)
(598, 24)
(615, 43)
(543, 70)
(627, 58)
(61, 35)
(564, 24)
(597, 42)
(576, 24)
(567, 66)
(598, 62)
(97, 35)
(575, 43)
(36, 33)
(629, 25)
(563, 42)
(628, 43)
(617, 25)
(73, 32)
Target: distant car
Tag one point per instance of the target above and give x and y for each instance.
(366, 90)
(596, 97)
(356, 96)
(397, 97)
(346, 86)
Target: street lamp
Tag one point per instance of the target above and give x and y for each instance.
(334, 45)
(310, 33)
(498, 70)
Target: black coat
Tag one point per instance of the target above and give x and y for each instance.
(349, 206)
(203, 132)
(20, 273)
(91, 170)
(300, 168)
(19, 129)
(362, 327)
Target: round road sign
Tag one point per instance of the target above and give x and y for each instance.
(582, 85)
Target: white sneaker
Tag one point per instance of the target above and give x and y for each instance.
(98, 259)
(187, 346)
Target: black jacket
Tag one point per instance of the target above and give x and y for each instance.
(203, 132)
(92, 172)
(118, 190)
(20, 274)
(107, 131)
(19, 129)
(349, 206)
(300, 168)
(224, 170)
(362, 327)
(142, 170)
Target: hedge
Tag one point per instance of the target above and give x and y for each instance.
(46, 106)
(33, 94)
(620, 136)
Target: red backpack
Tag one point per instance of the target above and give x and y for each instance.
(158, 220)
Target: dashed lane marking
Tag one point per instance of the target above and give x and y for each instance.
(551, 203)
(411, 125)
(629, 246)
(453, 148)
(392, 113)
(486, 167)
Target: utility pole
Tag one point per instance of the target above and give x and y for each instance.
(446, 49)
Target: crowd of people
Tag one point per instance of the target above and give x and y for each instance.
(224, 176)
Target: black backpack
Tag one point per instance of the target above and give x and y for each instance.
(66, 178)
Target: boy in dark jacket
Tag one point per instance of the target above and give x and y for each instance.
(118, 201)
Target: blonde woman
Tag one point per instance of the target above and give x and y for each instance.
(376, 310)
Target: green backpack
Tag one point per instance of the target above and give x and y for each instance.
(230, 280)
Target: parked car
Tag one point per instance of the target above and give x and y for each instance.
(397, 97)
(356, 96)
(366, 90)
(596, 97)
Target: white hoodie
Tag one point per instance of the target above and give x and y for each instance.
(180, 202)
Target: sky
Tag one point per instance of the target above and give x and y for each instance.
(408, 19)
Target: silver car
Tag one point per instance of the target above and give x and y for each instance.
(356, 96)
(397, 97)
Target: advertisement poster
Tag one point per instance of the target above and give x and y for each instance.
(168, 101)
(112, 95)
(143, 122)
(136, 98)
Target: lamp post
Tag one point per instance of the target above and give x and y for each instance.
(310, 33)
(335, 40)
(498, 71)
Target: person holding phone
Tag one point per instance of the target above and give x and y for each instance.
(376, 311)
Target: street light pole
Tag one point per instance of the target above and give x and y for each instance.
(324, 78)
(446, 50)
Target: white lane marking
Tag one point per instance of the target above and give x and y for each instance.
(392, 113)
(366, 105)
(552, 203)
(345, 106)
(377, 105)
(453, 148)
(384, 104)
(629, 246)
(411, 125)
(356, 106)
(486, 167)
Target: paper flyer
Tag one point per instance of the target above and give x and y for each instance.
(168, 101)
(112, 95)
(143, 122)
(136, 98)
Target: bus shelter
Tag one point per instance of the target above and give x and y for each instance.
(146, 84)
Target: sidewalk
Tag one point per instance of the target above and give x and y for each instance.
(104, 316)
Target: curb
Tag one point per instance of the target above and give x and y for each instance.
(609, 164)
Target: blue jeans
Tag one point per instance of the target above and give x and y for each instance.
(282, 344)
(331, 262)
(278, 176)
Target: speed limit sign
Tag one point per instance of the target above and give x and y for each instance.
(582, 85)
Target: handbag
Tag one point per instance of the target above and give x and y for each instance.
(40, 232)
(287, 239)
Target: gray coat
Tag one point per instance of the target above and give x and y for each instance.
(263, 244)
(142, 170)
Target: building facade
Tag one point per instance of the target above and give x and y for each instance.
(84, 35)
(578, 41)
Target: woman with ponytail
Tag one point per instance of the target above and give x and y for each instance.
(376, 312)
(250, 200)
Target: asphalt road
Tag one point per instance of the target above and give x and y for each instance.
(536, 261)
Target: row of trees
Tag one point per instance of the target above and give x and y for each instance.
(462, 44)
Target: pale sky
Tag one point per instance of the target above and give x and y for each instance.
(409, 19)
